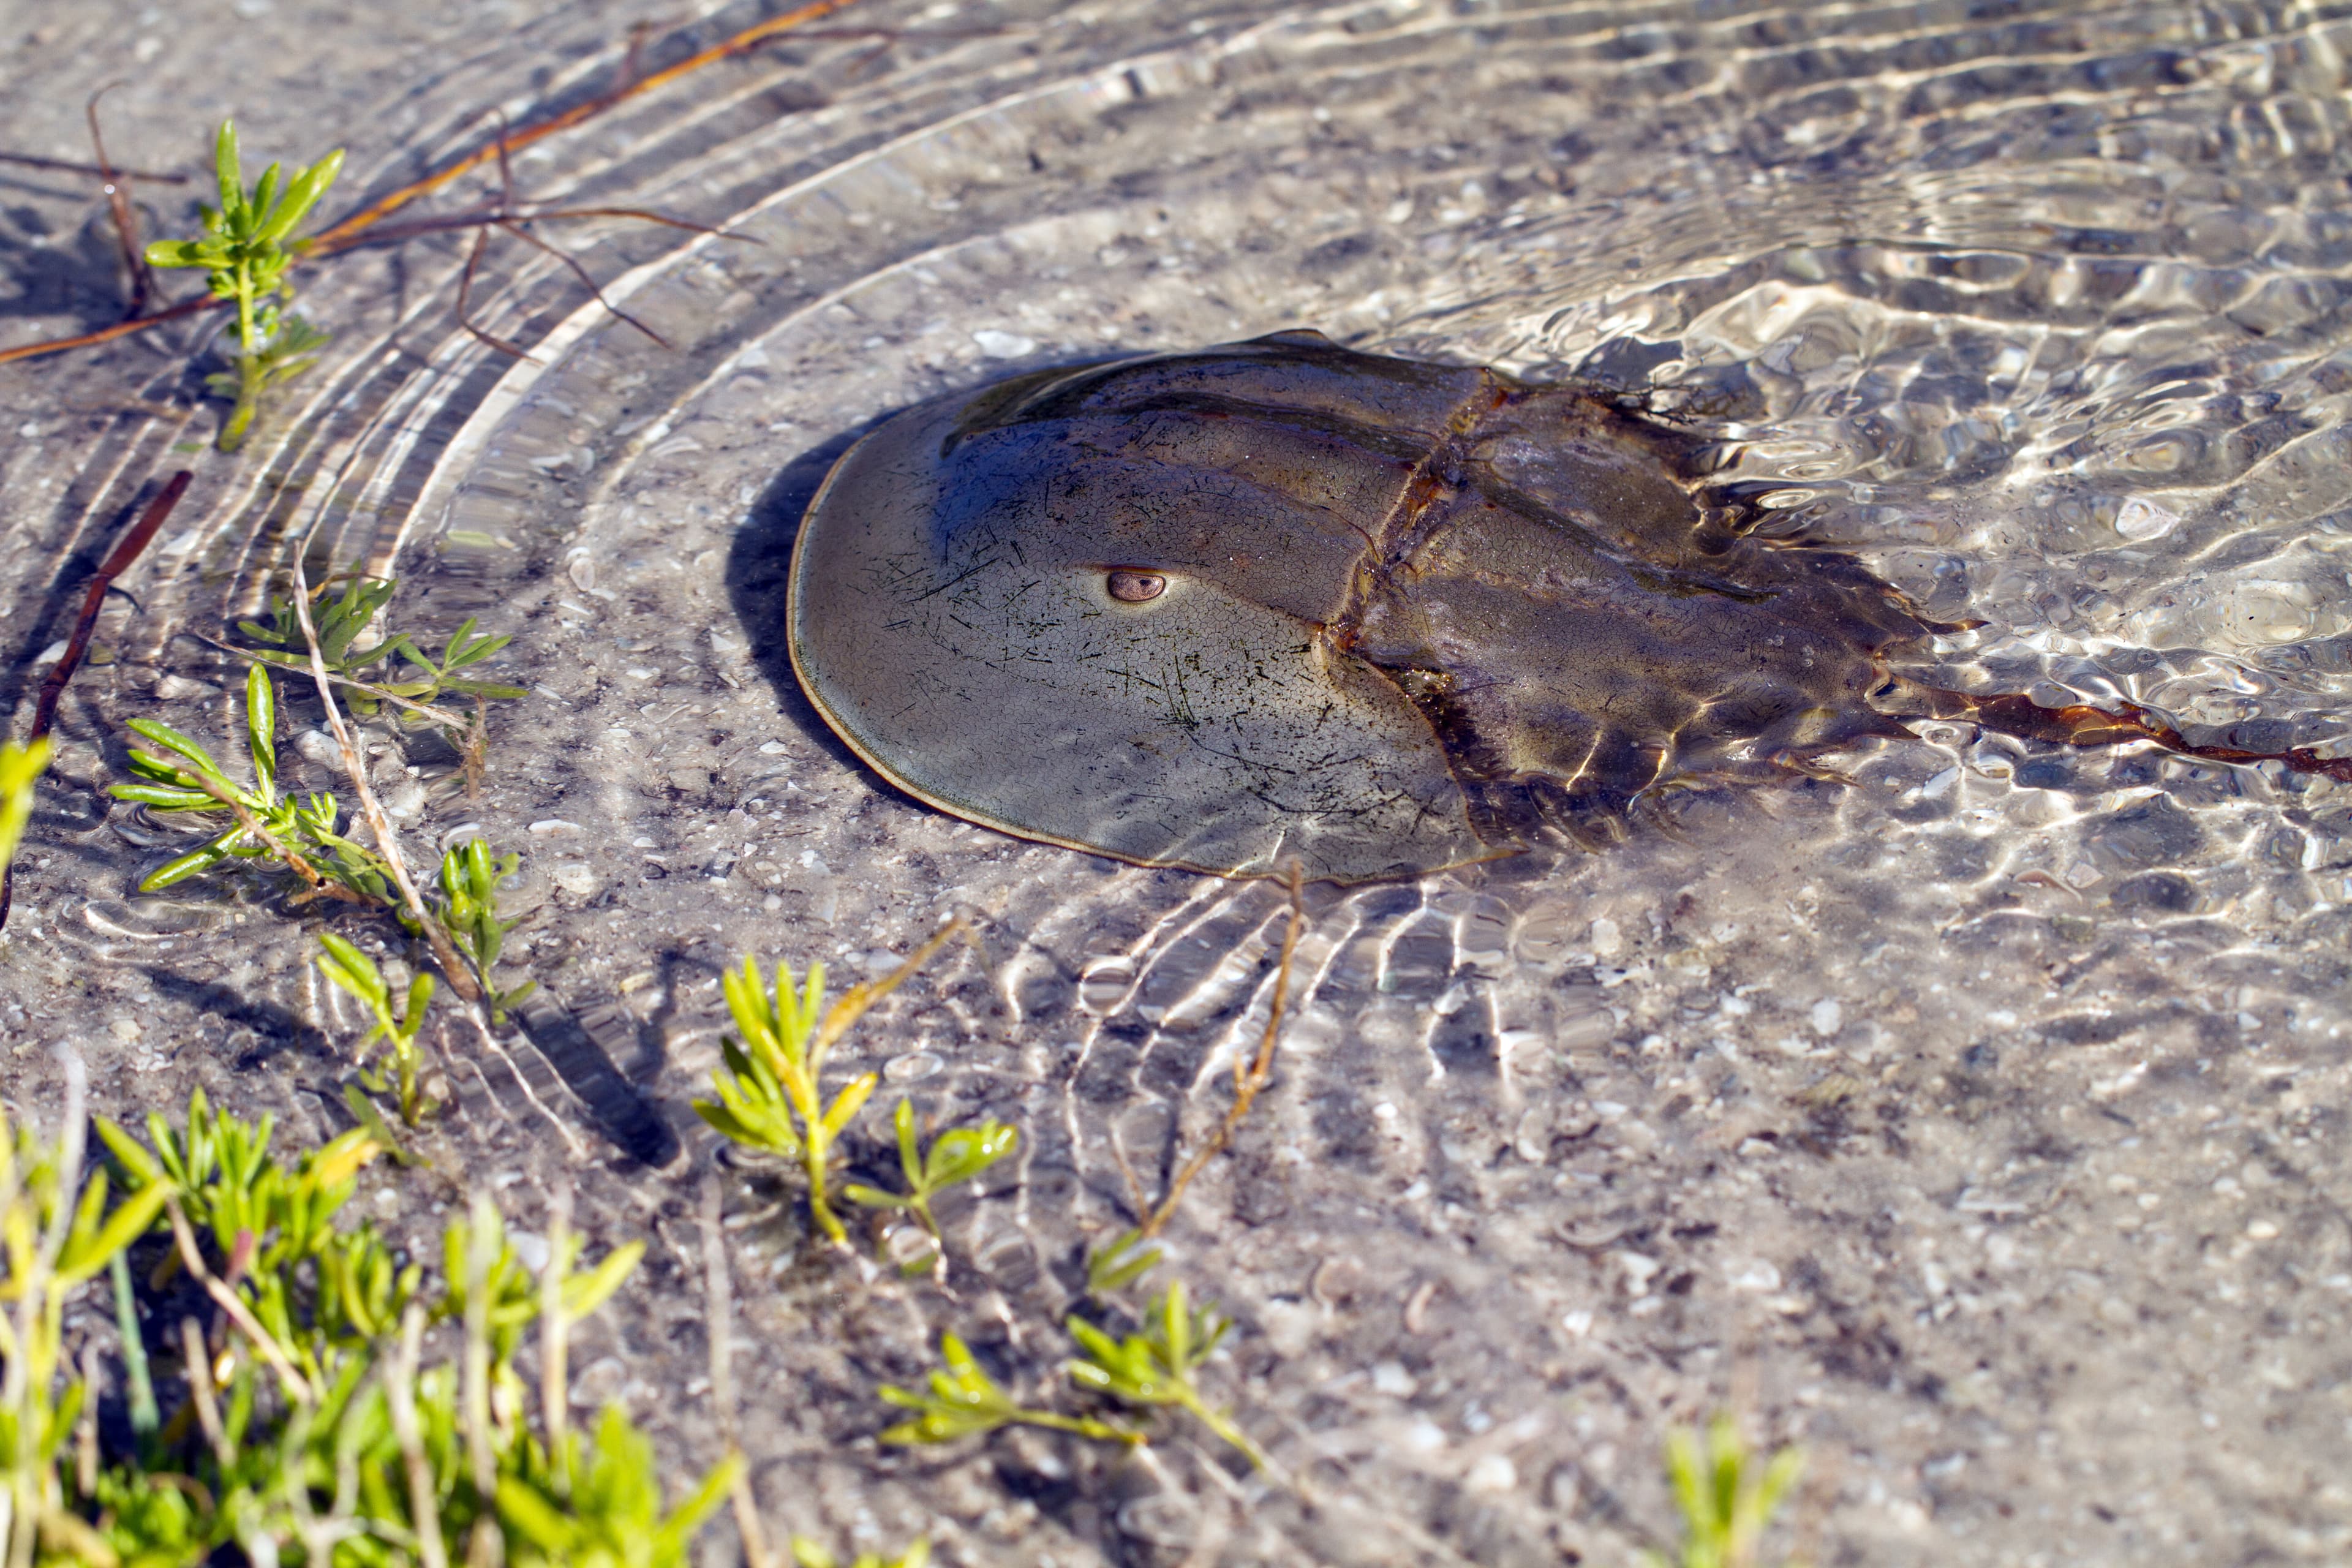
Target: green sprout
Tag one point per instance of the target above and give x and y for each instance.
(267, 824)
(145, 1418)
(355, 973)
(354, 1454)
(270, 1224)
(609, 1511)
(769, 1097)
(220, 1170)
(245, 253)
(343, 622)
(511, 1299)
(963, 1401)
(954, 1156)
(467, 908)
(55, 1233)
(1155, 1367)
(1121, 1263)
(300, 833)
(19, 767)
(1727, 1495)
(339, 623)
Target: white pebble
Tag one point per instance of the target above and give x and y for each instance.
(1491, 1474)
(2139, 520)
(530, 1250)
(997, 344)
(404, 799)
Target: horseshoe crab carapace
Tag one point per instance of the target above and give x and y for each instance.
(1279, 601)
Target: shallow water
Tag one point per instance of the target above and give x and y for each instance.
(1973, 1121)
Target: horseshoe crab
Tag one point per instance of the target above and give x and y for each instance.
(1279, 601)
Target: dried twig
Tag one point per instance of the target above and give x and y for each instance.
(91, 340)
(465, 295)
(118, 560)
(1249, 1075)
(482, 1240)
(199, 1388)
(506, 216)
(721, 1299)
(342, 236)
(750, 38)
(461, 979)
(587, 279)
(555, 1326)
(117, 186)
(85, 1426)
(53, 686)
(67, 166)
(297, 1386)
(400, 1393)
(477, 217)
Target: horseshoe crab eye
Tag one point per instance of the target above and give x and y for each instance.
(1136, 587)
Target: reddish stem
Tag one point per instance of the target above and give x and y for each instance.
(118, 560)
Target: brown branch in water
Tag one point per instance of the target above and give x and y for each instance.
(118, 560)
(342, 235)
(67, 166)
(117, 186)
(465, 295)
(91, 340)
(749, 38)
(476, 217)
(587, 279)
(53, 686)
(1249, 1075)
